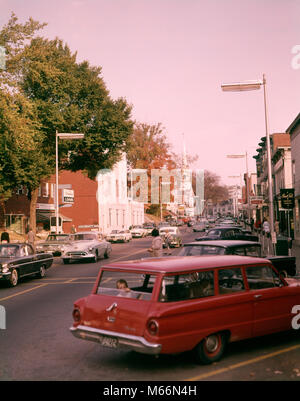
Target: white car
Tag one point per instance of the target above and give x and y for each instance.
(86, 245)
(138, 232)
(176, 239)
(119, 236)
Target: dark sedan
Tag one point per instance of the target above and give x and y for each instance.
(284, 264)
(227, 233)
(19, 260)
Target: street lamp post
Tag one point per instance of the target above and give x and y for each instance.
(61, 136)
(255, 85)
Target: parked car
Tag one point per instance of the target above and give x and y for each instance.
(55, 243)
(177, 304)
(176, 238)
(138, 232)
(86, 245)
(119, 236)
(286, 265)
(232, 233)
(201, 225)
(19, 260)
(149, 227)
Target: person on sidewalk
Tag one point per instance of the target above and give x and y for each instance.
(266, 227)
(157, 244)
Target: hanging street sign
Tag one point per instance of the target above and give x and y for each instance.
(287, 196)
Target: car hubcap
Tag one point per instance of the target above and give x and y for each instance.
(14, 277)
(212, 343)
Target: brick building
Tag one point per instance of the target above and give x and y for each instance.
(85, 213)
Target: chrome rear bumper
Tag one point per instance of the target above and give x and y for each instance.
(116, 340)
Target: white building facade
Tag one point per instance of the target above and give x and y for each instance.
(116, 211)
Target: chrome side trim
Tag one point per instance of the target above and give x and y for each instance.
(136, 343)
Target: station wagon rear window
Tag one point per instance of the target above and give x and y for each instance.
(187, 286)
(126, 284)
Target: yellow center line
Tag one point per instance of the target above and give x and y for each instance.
(22, 292)
(244, 363)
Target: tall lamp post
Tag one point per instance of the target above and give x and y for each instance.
(61, 136)
(255, 85)
(247, 181)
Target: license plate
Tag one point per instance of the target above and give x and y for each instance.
(108, 342)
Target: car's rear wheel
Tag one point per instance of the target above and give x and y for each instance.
(42, 272)
(106, 254)
(211, 348)
(14, 278)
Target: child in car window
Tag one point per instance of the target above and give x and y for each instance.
(123, 286)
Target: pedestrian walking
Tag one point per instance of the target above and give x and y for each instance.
(31, 238)
(157, 244)
(251, 223)
(266, 227)
(5, 237)
(168, 238)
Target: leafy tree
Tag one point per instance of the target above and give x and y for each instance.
(65, 96)
(149, 148)
(21, 162)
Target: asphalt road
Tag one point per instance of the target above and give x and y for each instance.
(37, 344)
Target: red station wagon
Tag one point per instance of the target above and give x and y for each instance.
(170, 305)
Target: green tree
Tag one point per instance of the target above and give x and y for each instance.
(65, 96)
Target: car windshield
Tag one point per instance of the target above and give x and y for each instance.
(114, 232)
(57, 237)
(196, 250)
(169, 230)
(84, 237)
(128, 285)
(214, 232)
(8, 250)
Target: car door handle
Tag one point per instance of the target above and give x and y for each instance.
(257, 295)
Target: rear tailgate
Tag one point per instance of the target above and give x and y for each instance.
(116, 313)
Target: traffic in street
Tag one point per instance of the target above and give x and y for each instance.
(37, 343)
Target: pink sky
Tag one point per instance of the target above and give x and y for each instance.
(168, 58)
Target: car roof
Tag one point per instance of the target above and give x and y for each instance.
(225, 227)
(176, 264)
(223, 243)
(87, 232)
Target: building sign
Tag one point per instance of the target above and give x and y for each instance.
(287, 198)
(45, 206)
(68, 195)
(256, 200)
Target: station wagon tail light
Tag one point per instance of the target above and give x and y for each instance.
(76, 315)
(152, 327)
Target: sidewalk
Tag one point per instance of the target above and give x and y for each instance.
(296, 253)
